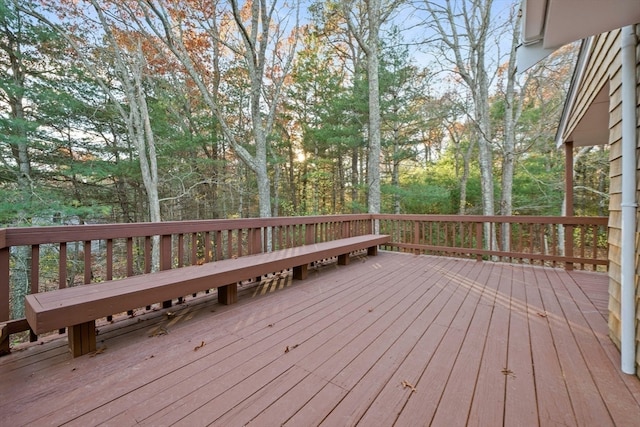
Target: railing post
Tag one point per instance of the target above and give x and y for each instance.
(568, 246)
(35, 279)
(5, 310)
(165, 259)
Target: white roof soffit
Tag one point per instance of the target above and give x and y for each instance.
(550, 24)
(593, 127)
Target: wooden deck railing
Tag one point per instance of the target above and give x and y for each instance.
(529, 239)
(38, 259)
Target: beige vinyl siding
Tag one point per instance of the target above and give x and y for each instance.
(615, 175)
(615, 235)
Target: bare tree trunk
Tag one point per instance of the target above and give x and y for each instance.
(373, 161)
(513, 108)
(463, 28)
(354, 179)
(464, 178)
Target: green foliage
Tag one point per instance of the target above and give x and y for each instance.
(83, 167)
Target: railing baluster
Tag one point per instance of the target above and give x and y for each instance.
(147, 254)
(479, 229)
(554, 242)
(180, 250)
(194, 249)
(594, 251)
(583, 242)
(109, 259)
(129, 256)
(207, 247)
(218, 245)
(35, 269)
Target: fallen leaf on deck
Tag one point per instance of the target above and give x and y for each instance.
(158, 332)
(271, 325)
(508, 372)
(370, 310)
(98, 351)
(542, 314)
(407, 384)
(198, 347)
(288, 349)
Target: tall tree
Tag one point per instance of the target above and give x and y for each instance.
(253, 32)
(368, 36)
(405, 111)
(463, 32)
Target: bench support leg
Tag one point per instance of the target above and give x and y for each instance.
(344, 259)
(228, 294)
(372, 250)
(301, 272)
(82, 338)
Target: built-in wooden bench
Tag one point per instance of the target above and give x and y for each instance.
(78, 308)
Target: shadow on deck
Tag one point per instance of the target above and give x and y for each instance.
(395, 339)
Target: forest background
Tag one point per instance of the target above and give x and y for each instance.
(156, 110)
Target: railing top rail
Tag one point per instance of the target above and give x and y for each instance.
(524, 219)
(55, 234)
(70, 233)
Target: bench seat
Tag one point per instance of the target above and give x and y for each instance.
(78, 307)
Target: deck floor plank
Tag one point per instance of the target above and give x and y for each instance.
(580, 386)
(554, 405)
(380, 361)
(422, 406)
(521, 407)
(482, 343)
(487, 406)
(428, 333)
(309, 335)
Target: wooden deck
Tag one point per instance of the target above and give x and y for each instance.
(395, 339)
